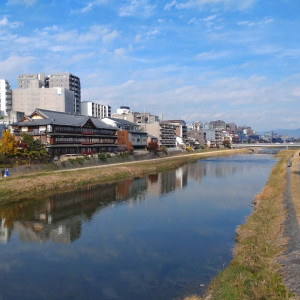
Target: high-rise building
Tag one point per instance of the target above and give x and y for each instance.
(5, 97)
(67, 81)
(26, 81)
(96, 110)
(56, 99)
(59, 92)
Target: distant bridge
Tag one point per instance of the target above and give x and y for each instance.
(267, 145)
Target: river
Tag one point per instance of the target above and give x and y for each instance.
(164, 236)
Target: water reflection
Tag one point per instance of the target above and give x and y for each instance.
(157, 237)
(59, 217)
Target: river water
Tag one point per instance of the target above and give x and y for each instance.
(160, 237)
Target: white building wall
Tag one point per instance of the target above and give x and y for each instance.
(5, 97)
(96, 110)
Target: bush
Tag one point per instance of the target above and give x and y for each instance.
(79, 160)
(102, 156)
(71, 161)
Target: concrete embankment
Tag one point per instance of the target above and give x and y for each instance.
(33, 184)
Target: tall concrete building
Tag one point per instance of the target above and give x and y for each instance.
(96, 110)
(5, 97)
(26, 81)
(56, 99)
(67, 81)
(59, 92)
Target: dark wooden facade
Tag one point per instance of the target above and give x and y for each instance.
(64, 133)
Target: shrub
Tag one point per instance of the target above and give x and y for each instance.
(102, 156)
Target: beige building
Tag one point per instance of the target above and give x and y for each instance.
(165, 133)
(58, 80)
(135, 117)
(57, 99)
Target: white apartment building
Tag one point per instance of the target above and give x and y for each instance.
(5, 97)
(96, 110)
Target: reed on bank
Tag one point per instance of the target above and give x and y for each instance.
(253, 271)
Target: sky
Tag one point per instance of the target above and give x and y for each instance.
(195, 60)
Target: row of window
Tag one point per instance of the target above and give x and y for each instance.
(83, 150)
(78, 140)
(90, 131)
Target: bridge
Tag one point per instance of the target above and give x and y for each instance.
(267, 145)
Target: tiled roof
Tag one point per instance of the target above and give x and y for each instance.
(123, 122)
(61, 118)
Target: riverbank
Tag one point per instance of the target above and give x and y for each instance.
(31, 185)
(254, 272)
(290, 259)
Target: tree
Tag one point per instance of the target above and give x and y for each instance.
(227, 143)
(33, 149)
(152, 146)
(8, 144)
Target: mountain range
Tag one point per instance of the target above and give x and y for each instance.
(288, 132)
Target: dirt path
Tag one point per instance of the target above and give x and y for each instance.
(291, 257)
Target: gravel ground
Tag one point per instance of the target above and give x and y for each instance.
(290, 260)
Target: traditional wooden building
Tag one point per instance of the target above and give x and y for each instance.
(64, 133)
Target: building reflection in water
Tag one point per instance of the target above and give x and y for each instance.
(59, 218)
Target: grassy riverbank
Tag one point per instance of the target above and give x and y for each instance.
(28, 186)
(253, 272)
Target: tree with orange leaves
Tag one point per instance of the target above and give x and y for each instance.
(8, 144)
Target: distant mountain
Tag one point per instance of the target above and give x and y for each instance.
(288, 132)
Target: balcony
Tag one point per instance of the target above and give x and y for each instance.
(87, 132)
(87, 143)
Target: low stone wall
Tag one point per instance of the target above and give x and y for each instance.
(77, 161)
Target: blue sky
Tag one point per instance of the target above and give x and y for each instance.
(234, 60)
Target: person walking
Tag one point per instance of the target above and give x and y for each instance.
(2, 172)
(6, 173)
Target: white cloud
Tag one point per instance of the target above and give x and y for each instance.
(14, 65)
(227, 4)
(209, 18)
(253, 101)
(51, 28)
(107, 38)
(87, 8)
(94, 33)
(136, 8)
(5, 23)
(266, 20)
(66, 36)
(120, 51)
(147, 35)
(21, 2)
(212, 55)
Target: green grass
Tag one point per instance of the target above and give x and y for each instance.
(253, 272)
